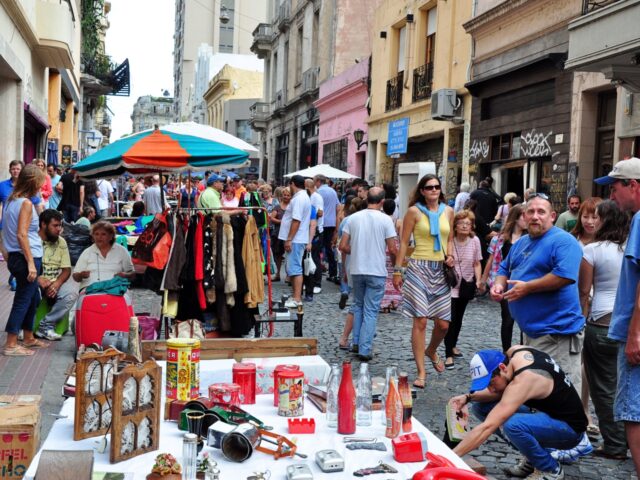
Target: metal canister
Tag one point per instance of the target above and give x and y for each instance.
(291, 394)
(228, 393)
(239, 444)
(276, 371)
(244, 374)
(183, 369)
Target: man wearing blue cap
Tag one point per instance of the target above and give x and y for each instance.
(532, 399)
(211, 197)
(624, 184)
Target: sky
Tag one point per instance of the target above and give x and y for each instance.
(142, 31)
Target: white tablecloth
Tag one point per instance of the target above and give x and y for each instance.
(61, 438)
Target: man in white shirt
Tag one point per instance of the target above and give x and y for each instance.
(105, 199)
(153, 197)
(316, 248)
(294, 231)
(365, 237)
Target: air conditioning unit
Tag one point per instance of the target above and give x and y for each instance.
(444, 104)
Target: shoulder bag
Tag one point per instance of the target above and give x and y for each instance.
(467, 289)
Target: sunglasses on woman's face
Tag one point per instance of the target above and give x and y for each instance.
(431, 187)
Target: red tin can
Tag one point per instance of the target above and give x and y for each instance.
(244, 375)
(291, 394)
(276, 371)
(228, 393)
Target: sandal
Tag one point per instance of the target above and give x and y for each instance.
(36, 344)
(419, 382)
(17, 351)
(449, 365)
(438, 365)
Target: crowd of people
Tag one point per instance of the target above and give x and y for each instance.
(569, 282)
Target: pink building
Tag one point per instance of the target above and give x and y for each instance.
(342, 107)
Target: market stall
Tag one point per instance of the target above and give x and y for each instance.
(323, 438)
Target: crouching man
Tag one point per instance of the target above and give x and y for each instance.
(55, 285)
(532, 399)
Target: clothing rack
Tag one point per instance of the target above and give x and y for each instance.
(267, 255)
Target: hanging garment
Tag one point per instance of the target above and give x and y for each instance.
(207, 281)
(228, 262)
(198, 248)
(252, 258)
(177, 256)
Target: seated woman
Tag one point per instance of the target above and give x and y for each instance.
(104, 259)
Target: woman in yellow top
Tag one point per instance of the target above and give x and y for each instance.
(425, 292)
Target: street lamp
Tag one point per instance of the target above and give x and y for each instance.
(357, 136)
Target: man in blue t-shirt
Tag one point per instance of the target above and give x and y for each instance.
(624, 184)
(539, 278)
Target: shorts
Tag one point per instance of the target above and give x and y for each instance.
(425, 292)
(626, 407)
(294, 259)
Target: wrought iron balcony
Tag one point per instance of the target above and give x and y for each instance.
(262, 38)
(422, 82)
(310, 80)
(284, 15)
(589, 6)
(259, 113)
(394, 92)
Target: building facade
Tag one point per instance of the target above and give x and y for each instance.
(39, 77)
(419, 48)
(150, 111)
(521, 120)
(236, 121)
(226, 25)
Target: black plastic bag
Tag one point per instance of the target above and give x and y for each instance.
(78, 238)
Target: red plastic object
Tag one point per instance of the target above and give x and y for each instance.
(302, 425)
(438, 461)
(346, 402)
(411, 447)
(448, 473)
(98, 313)
(244, 374)
(278, 369)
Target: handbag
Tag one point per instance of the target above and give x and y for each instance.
(308, 264)
(187, 329)
(450, 275)
(467, 289)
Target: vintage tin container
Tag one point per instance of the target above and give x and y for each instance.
(291, 394)
(276, 371)
(244, 375)
(183, 369)
(228, 393)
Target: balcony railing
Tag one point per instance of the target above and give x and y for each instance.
(262, 38)
(394, 92)
(259, 111)
(310, 80)
(422, 82)
(591, 5)
(284, 15)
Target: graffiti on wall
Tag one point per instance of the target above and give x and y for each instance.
(479, 150)
(535, 144)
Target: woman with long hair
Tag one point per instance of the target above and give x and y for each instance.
(425, 291)
(23, 242)
(600, 272)
(188, 194)
(514, 227)
(585, 229)
(467, 255)
(283, 195)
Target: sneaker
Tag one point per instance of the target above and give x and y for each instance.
(48, 335)
(540, 475)
(291, 303)
(571, 455)
(522, 469)
(365, 358)
(317, 289)
(13, 284)
(308, 298)
(343, 300)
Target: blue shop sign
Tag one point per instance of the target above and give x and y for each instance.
(398, 135)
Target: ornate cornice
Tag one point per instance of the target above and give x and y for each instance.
(494, 13)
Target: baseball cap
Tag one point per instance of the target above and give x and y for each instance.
(214, 178)
(623, 170)
(482, 365)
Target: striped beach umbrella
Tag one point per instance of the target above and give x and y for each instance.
(172, 148)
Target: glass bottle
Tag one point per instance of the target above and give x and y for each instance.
(363, 396)
(189, 456)
(333, 385)
(407, 402)
(346, 402)
(392, 372)
(393, 409)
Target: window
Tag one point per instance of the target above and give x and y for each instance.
(505, 146)
(402, 37)
(299, 56)
(432, 20)
(226, 29)
(243, 130)
(282, 157)
(335, 154)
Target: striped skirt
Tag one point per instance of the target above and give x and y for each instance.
(425, 292)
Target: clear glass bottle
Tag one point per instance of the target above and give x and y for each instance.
(333, 385)
(189, 456)
(363, 396)
(392, 371)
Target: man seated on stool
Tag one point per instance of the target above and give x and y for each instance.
(532, 399)
(55, 285)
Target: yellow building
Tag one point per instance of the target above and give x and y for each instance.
(230, 84)
(419, 48)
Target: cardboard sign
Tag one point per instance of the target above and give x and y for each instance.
(19, 434)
